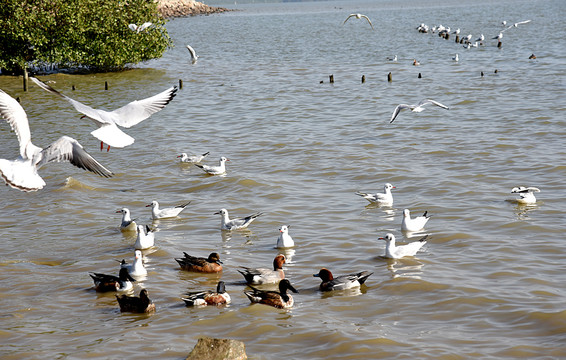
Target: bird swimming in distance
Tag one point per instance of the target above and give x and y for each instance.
(415, 108)
(218, 297)
(135, 304)
(394, 58)
(415, 62)
(142, 27)
(385, 198)
(279, 299)
(284, 240)
(456, 57)
(184, 158)
(481, 38)
(526, 194)
(414, 224)
(359, 16)
(104, 282)
(127, 223)
(392, 251)
(126, 116)
(21, 173)
(342, 282)
(157, 213)
(145, 237)
(238, 223)
(193, 53)
(215, 170)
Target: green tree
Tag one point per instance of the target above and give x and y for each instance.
(91, 34)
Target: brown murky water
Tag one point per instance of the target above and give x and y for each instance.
(489, 284)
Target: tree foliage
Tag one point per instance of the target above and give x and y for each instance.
(91, 34)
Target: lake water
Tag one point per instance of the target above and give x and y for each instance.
(489, 283)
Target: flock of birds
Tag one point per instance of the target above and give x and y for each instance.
(22, 174)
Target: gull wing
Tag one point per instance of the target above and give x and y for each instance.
(93, 114)
(192, 51)
(15, 115)
(429, 101)
(139, 110)
(69, 149)
(133, 27)
(398, 110)
(369, 21)
(348, 18)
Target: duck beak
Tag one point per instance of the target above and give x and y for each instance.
(315, 275)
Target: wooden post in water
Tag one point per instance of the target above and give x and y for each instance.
(457, 39)
(106, 85)
(73, 87)
(332, 79)
(180, 83)
(499, 44)
(363, 79)
(420, 76)
(26, 78)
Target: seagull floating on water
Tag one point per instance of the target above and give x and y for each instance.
(126, 116)
(396, 252)
(21, 173)
(385, 198)
(140, 28)
(526, 194)
(414, 224)
(145, 237)
(215, 170)
(456, 58)
(284, 240)
(193, 53)
(157, 213)
(233, 224)
(342, 282)
(415, 108)
(136, 268)
(193, 158)
(394, 58)
(127, 223)
(359, 16)
(498, 37)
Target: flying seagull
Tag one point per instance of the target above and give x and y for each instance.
(359, 16)
(415, 108)
(516, 25)
(140, 28)
(21, 173)
(126, 116)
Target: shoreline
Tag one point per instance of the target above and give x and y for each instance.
(182, 8)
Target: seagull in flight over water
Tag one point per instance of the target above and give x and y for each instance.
(126, 116)
(415, 108)
(142, 27)
(516, 25)
(193, 53)
(359, 16)
(21, 173)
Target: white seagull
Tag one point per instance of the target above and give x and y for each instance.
(396, 252)
(394, 58)
(284, 240)
(21, 173)
(517, 24)
(136, 268)
(456, 58)
(215, 170)
(126, 116)
(385, 198)
(526, 194)
(193, 158)
(415, 108)
(142, 27)
(233, 224)
(127, 223)
(157, 213)
(145, 238)
(193, 53)
(414, 224)
(481, 38)
(498, 37)
(359, 16)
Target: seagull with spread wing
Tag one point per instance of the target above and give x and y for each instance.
(415, 108)
(359, 16)
(21, 173)
(126, 116)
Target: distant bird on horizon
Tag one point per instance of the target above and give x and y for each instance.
(359, 16)
(142, 27)
(126, 116)
(415, 108)
(21, 173)
(193, 53)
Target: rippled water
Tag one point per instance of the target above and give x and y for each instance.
(489, 284)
